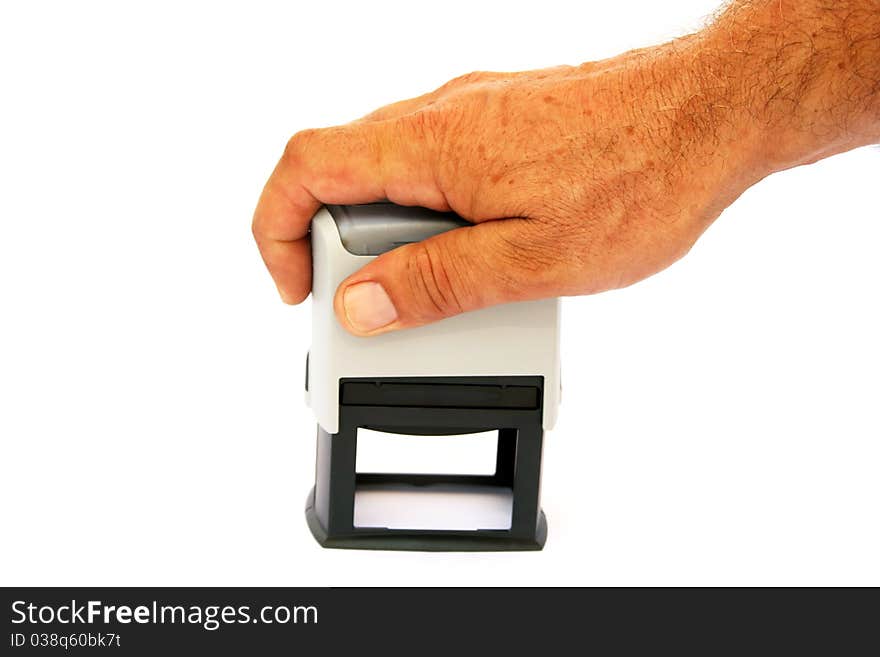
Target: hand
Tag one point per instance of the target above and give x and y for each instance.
(577, 179)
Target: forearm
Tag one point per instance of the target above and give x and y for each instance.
(801, 76)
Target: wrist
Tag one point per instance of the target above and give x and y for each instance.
(801, 78)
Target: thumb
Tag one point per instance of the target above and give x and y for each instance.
(460, 270)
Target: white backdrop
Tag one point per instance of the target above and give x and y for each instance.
(719, 421)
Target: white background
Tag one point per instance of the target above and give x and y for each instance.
(719, 421)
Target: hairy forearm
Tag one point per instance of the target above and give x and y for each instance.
(803, 76)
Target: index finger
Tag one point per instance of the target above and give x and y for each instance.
(355, 163)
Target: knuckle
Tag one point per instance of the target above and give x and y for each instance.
(433, 281)
(426, 125)
(297, 146)
(464, 80)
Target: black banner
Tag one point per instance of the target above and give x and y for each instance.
(152, 621)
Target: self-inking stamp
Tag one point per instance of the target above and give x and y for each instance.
(494, 369)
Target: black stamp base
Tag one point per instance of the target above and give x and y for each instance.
(512, 405)
(423, 541)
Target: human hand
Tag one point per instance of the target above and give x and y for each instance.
(577, 179)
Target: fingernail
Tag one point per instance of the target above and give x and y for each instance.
(368, 306)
